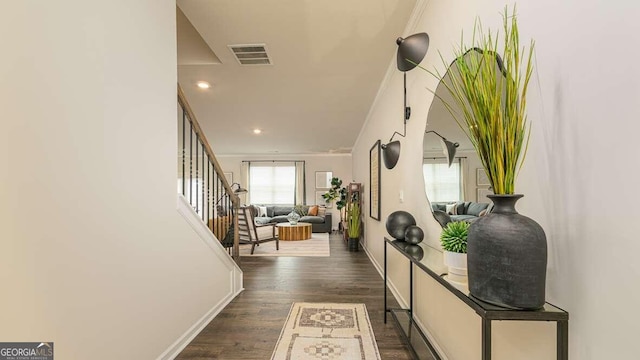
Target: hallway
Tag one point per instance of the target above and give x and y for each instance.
(249, 327)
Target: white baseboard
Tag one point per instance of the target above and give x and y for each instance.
(390, 284)
(404, 305)
(174, 350)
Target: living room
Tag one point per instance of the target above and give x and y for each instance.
(338, 164)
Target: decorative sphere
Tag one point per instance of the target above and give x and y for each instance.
(397, 223)
(401, 244)
(413, 235)
(414, 251)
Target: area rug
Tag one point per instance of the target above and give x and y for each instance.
(318, 245)
(326, 331)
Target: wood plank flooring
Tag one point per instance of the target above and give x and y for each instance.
(249, 327)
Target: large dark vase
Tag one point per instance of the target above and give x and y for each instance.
(507, 257)
(353, 244)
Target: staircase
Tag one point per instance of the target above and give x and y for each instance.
(202, 183)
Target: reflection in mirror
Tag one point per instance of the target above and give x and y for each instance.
(323, 179)
(454, 193)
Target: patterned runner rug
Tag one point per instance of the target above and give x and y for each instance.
(318, 245)
(326, 331)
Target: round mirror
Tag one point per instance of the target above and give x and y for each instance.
(456, 192)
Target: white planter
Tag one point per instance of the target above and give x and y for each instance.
(457, 264)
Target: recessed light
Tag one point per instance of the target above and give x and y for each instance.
(203, 85)
(257, 131)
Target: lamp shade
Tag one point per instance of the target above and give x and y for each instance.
(449, 148)
(391, 154)
(239, 190)
(412, 48)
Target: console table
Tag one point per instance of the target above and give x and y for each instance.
(430, 261)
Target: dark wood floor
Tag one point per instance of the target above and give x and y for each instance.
(250, 325)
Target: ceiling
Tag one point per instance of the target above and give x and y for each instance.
(328, 60)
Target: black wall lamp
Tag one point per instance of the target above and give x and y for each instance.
(238, 191)
(411, 51)
(449, 148)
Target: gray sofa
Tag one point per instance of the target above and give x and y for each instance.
(464, 211)
(278, 214)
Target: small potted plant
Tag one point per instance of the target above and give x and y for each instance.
(353, 223)
(454, 244)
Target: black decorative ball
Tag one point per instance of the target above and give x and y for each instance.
(414, 251)
(401, 244)
(397, 223)
(413, 235)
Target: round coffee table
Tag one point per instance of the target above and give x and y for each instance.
(299, 231)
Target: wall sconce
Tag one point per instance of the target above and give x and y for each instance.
(411, 51)
(449, 148)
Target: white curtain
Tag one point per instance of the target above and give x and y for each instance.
(244, 181)
(464, 175)
(301, 193)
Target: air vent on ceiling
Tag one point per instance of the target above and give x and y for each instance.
(254, 54)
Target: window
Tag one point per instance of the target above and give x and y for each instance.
(272, 183)
(442, 183)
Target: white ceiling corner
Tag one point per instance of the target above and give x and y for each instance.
(192, 49)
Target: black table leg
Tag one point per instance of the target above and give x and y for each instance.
(411, 289)
(486, 339)
(563, 340)
(385, 282)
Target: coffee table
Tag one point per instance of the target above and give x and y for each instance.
(299, 231)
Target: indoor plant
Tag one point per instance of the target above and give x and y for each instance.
(507, 252)
(337, 193)
(353, 223)
(491, 92)
(454, 243)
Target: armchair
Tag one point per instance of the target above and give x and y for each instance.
(250, 233)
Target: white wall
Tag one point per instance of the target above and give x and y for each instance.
(339, 164)
(94, 255)
(583, 108)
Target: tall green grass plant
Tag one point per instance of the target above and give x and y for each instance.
(490, 98)
(353, 221)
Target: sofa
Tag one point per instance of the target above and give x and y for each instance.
(461, 211)
(278, 214)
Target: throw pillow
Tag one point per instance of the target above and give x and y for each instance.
(322, 211)
(461, 208)
(302, 210)
(262, 211)
(475, 208)
(490, 208)
(483, 212)
(313, 210)
(450, 209)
